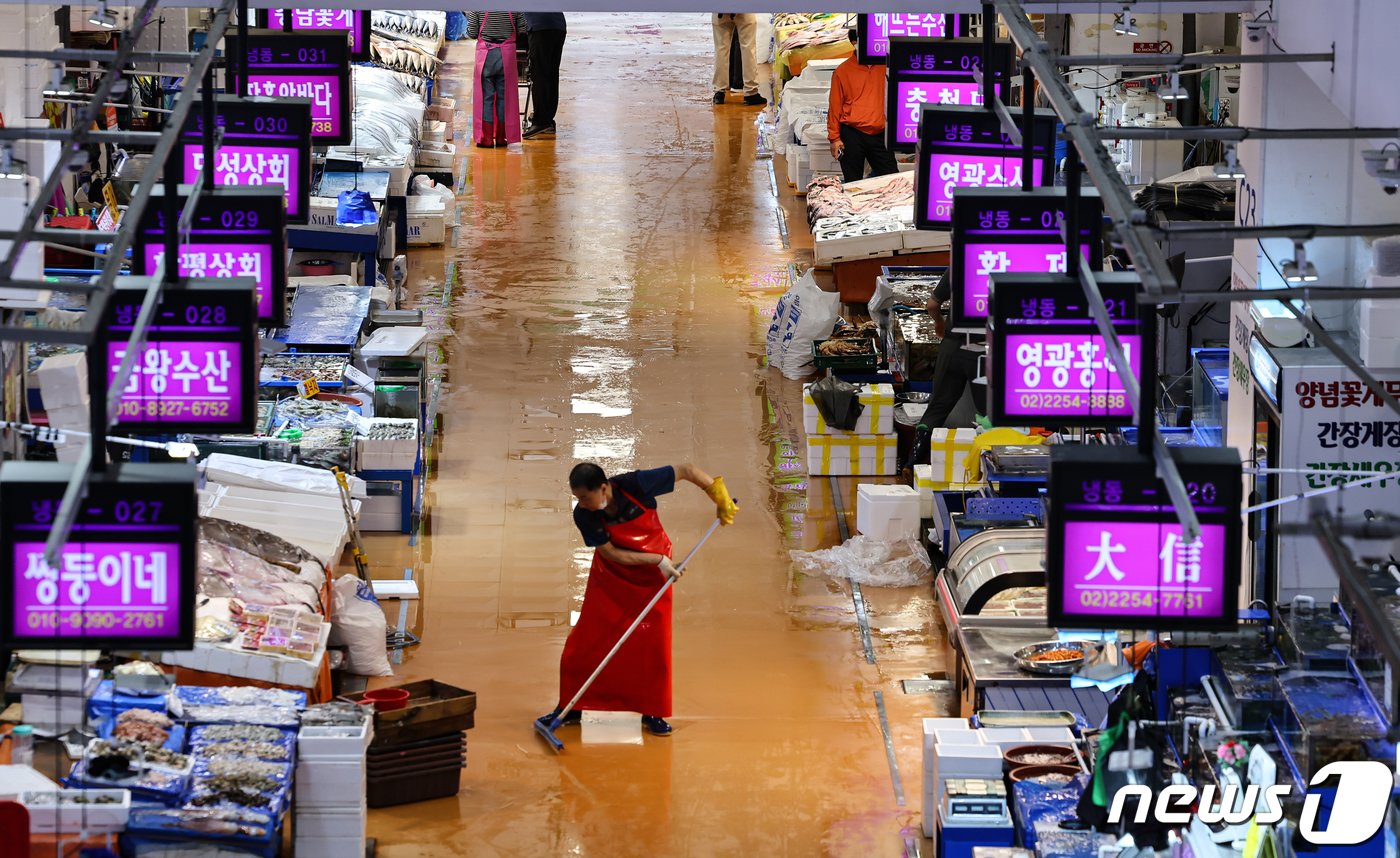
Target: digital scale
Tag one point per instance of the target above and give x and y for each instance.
(973, 813)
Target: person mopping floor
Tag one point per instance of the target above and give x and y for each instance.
(631, 563)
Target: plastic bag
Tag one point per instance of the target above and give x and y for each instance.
(359, 624)
(424, 186)
(804, 315)
(869, 562)
(838, 402)
(456, 26)
(355, 207)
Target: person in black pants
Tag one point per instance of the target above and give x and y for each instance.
(855, 119)
(547, 31)
(955, 370)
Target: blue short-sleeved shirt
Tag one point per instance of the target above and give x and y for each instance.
(645, 486)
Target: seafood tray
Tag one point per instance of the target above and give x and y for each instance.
(285, 370)
(1033, 659)
(241, 696)
(159, 826)
(70, 811)
(1328, 718)
(868, 359)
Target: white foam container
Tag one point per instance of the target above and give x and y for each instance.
(887, 512)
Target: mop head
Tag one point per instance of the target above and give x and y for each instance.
(546, 726)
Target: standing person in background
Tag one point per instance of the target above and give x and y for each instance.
(724, 25)
(496, 96)
(855, 122)
(547, 32)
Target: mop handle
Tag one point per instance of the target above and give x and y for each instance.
(637, 622)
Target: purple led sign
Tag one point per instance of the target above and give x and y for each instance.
(323, 90)
(308, 65)
(877, 28)
(1066, 376)
(189, 382)
(1142, 569)
(981, 261)
(224, 260)
(912, 95)
(352, 20)
(266, 142)
(949, 171)
(113, 589)
(936, 71)
(964, 146)
(253, 165)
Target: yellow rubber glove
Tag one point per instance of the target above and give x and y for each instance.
(725, 507)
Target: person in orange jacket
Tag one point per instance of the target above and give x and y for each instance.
(855, 122)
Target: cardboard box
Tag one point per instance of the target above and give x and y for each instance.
(63, 380)
(887, 512)
(876, 419)
(70, 417)
(852, 455)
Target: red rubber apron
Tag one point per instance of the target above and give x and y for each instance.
(638, 679)
(512, 93)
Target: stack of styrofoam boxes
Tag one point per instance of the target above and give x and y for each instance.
(397, 454)
(887, 513)
(331, 784)
(55, 696)
(436, 156)
(1380, 320)
(869, 450)
(427, 219)
(948, 452)
(63, 385)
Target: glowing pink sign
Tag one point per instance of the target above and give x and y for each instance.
(880, 27)
(325, 19)
(1143, 569)
(1068, 376)
(106, 589)
(254, 165)
(190, 382)
(981, 261)
(949, 171)
(322, 89)
(224, 260)
(912, 95)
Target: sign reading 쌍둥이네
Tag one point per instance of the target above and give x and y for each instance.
(1047, 362)
(125, 578)
(1116, 555)
(354, 21)
(197, 370)
(1008, 230)
(875, 30)
(305, 65)
(935, 71)
(266, 142)
(236, 232)
(965, 147)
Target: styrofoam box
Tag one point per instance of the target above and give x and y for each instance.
(334, 784)
(857, 247)
(54, 713)
(1379, 352)
(63, 380)
(926, 239)
(393, 341)
(330, 847)
(322, 823)
(876, 456)
(388, 454)
(887, 512)
(820, 160)
(427, 219)
(1051, 735)
(923, 482)
(437, 155)
(105, 818)
(69, 417)
(877, 418)
(322, 213)
(434, 131)
(315, 742)
(381, 522)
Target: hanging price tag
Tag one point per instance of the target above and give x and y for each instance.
(308, 388)
(355, 376)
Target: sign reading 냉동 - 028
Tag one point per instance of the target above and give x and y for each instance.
(125, 578)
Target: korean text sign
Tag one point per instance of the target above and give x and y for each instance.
(935, 71)
(965, 147)
(237, 232)
(307, 65)
(876, 29)
(1047, 362)
(266, 142)
(1008, 230)
(125, 578)
(1116, 556)
(197, 370)
(352, 21)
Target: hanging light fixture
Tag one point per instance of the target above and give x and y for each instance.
(1230, 167)
(1299, 269)
(1173, 91)
(103, 17)
(1124, 24)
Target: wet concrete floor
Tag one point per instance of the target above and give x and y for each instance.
(606, 300)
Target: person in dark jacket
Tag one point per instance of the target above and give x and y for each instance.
(547, 31)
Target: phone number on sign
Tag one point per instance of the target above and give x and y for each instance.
(1071, 400)
(1138, 599)
(167, 408)
(99, 620)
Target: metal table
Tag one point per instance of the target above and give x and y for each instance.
(988, 678)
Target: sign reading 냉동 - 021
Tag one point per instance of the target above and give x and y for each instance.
(125, 578)
(1116, 555)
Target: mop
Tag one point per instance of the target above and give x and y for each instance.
(546, 726)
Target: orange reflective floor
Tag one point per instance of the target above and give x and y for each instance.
(607, 300)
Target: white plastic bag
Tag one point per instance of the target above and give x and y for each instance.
(424, 186)
(803, 315)
(358, 624)
(869, 562)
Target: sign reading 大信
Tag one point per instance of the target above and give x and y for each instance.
(125, 577)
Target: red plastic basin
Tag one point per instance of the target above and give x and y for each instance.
(387, 699)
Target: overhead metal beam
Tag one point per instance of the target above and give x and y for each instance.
(49, 235)
(1303, 231)
(1192, 59)
(1301, 293)
(1227, 132)
(63, 135)
(90, 56)
(52, 286)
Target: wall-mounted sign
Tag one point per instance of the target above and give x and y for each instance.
(877, 28)
(126, 576)
(1047, 362)
(352, 21)
(1116, 557)
(237, 232)
(266, 142)
(935, 71)
(315, 66)
(965, 147)
(1009, 230)
(197, 370)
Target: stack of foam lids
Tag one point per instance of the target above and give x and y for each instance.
(54, 696)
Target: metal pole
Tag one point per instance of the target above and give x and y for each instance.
(1306, 232)
(1229, 133)
(1147, 385)
(210, 127)
(170, 203)
(1027, 128)
(242, 48)
(1073, 176)
(989, 86)
(1202, 58)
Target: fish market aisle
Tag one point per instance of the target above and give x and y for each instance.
(611, 295)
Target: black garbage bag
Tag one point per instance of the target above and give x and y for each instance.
(838, 402)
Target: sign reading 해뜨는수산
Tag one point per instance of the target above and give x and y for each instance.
(965, 147)
(125, 577)
(1116, 554)
(307, 65)
(876, 29)
(935, 71)
(266, 142)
